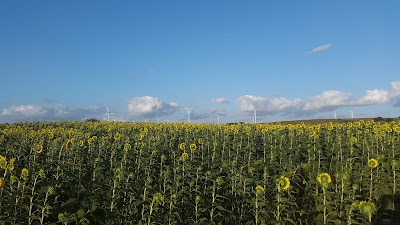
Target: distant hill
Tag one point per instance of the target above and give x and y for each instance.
(344, 120)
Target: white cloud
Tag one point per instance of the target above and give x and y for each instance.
(219, 100)
(249, 102)
(27, 111)
(395, 92)
(374, 97)
(327, 100)
(321, 48)
(150, 106)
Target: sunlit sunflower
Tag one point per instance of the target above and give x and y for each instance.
(373, 163)
(37, 148)
(283, 183)
(182, 146)
(117, 136)
(184, 156)
(69, 143)
(24, 174)
(11, 164)
(259, 189)
(193, 147)
(2, 183)
(127, 147)
(200, 141)
(3, 162)
(324, 179)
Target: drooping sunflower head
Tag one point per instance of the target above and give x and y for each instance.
(367, 208)
(117, 136)
(182, 146)
(37, 148)
(283, 183)
(373, 163)
(2, 183)
(184, 156)
(127, 147)
(3, 162)
(24, 174)
(259, 189)
(324, 179)
(11, 164)
(193, 147)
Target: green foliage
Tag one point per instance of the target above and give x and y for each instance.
(125, 173)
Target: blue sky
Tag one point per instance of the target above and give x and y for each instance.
(68, 60)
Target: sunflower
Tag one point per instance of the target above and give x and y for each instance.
(11, 164)
(259, 189)
(372, 163)
(193, 147)
(2, 183)
(367, 208)
(182, 146)
(184, 156)
(37, 149)
(127, 147)
(324, 179)
(117, 136)
(200, 141)
(283, 183)
(24, 174)
(3, 162)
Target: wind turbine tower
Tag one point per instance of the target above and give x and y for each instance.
(108, 113)
(334, 114)
(217, 118)
(352, 114)
(255, 115)
(158, 119)
(188, 111)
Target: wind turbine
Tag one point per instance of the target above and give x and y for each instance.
(158, 119)
(108, 113)
(217, 118)
(188, 110)
(352, 114)
(255, 115)
(334, 114)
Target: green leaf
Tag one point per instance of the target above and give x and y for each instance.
(71, 201)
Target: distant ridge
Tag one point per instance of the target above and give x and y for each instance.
(344, 120)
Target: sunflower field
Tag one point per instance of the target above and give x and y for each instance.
(162, 173)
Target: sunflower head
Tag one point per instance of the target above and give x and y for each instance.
(3, 162)
(259, 189)
(182, 146)
(324, 179)
(184, 156)
(2, 183)
(11, 164)
(24, 174)
(37, 148)
(367, 208)
(193, 147)
(127, 147)
(283, 183)
(373, 163)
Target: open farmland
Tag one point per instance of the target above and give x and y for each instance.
(126, 173)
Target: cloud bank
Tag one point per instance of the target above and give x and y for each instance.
(326, 101)
(147, 107)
